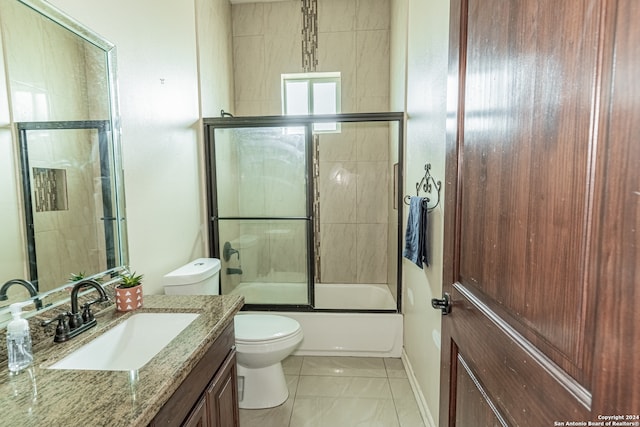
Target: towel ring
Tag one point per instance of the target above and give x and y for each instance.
(427, 183)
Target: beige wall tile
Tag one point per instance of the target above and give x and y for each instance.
(247, 19)
(371, 253)
(283, 17)
(336, 52)
(338, 252)
(257, 108)
(339, 146)
(248, 65)
(373, 14)
(288, 251)
(282, 55)
(372, 51)
(371, 193)
(338, 186)
(373, 142)
(336, 15)
(372, 104)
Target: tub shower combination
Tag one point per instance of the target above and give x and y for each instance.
(308, 224)
(328, 332)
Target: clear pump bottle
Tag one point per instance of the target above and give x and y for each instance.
(18, 340)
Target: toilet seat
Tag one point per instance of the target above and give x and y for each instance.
(264, 328)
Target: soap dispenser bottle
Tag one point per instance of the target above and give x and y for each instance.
(18, 340)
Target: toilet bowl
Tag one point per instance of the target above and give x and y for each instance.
(262, 342)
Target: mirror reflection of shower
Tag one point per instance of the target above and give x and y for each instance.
(304, 219)
(71, 218)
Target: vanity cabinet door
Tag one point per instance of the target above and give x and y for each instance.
(222, 395)
(198, 416)
(215, 376)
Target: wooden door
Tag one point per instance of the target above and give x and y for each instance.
(542, 257)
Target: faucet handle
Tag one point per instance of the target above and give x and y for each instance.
(62, 328)
(75, 320)
(87, 315)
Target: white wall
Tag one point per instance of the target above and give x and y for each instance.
(426, 34)
(215, 61)
(159, 105)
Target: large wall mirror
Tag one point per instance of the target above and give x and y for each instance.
(61, 204)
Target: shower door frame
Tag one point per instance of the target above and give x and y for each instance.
(227, 122)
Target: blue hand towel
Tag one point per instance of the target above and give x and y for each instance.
(423, 241)
(416, 248)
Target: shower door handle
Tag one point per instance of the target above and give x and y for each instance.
(443, 304)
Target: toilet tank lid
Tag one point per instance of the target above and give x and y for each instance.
(196, 271)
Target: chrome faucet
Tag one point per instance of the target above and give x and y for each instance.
(28, 285)
(78, 322)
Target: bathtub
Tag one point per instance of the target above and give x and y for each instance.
(349, 334)
(354, 296)
(340, 334)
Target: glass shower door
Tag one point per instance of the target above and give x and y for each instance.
(261, 213)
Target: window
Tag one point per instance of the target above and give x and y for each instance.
(312, 93)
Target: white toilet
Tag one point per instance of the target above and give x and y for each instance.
(262, 340)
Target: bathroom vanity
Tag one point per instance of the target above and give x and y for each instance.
(191, 381)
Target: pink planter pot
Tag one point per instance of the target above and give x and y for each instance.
(128, 299)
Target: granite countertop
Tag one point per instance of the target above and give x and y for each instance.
(50, 397)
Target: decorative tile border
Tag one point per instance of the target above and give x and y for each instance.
(309, 35)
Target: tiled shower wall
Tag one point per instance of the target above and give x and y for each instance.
(353, 204)
(353, 38)
(355, 165)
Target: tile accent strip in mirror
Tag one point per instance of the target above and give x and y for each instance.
(50, 189)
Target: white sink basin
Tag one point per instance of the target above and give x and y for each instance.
(129, 345)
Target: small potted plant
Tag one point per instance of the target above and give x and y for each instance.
(75, 277)
(129, 291)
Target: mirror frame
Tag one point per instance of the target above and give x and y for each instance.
(59, 295)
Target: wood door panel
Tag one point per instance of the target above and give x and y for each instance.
(527, 167)
(473, 406)
(517, 377)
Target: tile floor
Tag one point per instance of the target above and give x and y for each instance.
(341, 392)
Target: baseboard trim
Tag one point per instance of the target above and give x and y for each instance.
(427, 418)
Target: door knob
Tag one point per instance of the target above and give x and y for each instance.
(443, 304)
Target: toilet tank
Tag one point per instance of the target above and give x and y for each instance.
(199, 277)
